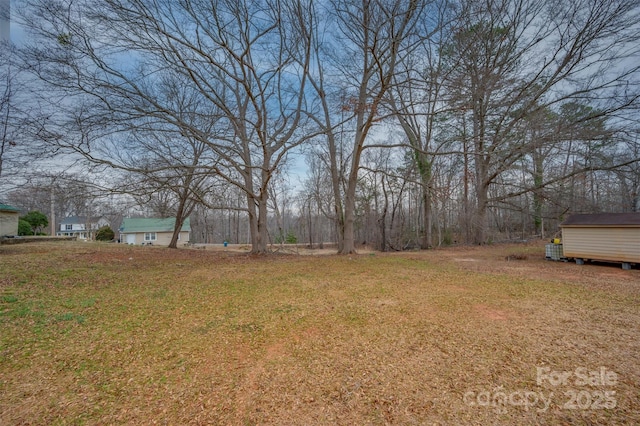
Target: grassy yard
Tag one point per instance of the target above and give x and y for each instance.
(109, 334)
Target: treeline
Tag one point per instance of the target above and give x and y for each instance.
(421, 122)
(389, 211)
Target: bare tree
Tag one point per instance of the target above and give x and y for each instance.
(417, 102)
(243, 58)
(17, 127)
(191, 95)
(6, 134)
(629, 175)
(511, 59)
(373, 37)
(317, 193)
(171, 165)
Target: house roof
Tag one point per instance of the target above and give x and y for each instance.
(603, 219)
(132, 225)
(8, 208)
(79, 219)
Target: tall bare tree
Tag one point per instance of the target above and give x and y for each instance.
(186, 93)
(372, 38)
(243, 58)
(417, 101)
(512, 59)
(18, 128)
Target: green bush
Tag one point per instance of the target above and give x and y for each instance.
(24, 228)
(105, 234)
(36, 220)
(447, 238)
(291, 238)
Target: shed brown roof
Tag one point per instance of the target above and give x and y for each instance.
(603, 219)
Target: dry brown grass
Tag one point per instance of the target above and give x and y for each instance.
(106, 334)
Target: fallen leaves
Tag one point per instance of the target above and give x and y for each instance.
(196, 336)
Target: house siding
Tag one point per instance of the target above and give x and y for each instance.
(162, 238)
(81, 230)
(132, 230)
(9, 223)
(610, 243)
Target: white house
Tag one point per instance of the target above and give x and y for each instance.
(81, 227)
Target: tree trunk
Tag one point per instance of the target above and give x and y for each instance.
(253, 223)
(424, 168)
(335, 186)
(382, 220)
(480, 216)
(427, 236)
(538, 200)
(348, 237)
(348, 243)
(176, 230)
(262, 237)
(183, 212)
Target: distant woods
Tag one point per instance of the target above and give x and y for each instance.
(393, 123)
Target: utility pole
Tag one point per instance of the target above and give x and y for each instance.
(53, 210)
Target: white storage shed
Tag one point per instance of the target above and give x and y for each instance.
(609, 237)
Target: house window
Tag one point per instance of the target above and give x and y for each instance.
(149, 236)
(68, 227)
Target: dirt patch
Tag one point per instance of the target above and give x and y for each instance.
(286, 249)
(528, 261)
(492, 313)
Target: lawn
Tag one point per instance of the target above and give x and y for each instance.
(111, 334)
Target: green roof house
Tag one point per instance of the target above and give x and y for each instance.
(9, 217)
(142, 231)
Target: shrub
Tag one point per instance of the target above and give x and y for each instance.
(24, 228)
(447, 238)
(291, 238)
(36, 220)
(105, 234)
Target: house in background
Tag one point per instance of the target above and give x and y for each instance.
(152, 231)
(9, 218)
(81, 227)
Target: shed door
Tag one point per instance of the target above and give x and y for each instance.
(130, 238)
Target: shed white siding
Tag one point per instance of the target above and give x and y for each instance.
(610, 243)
